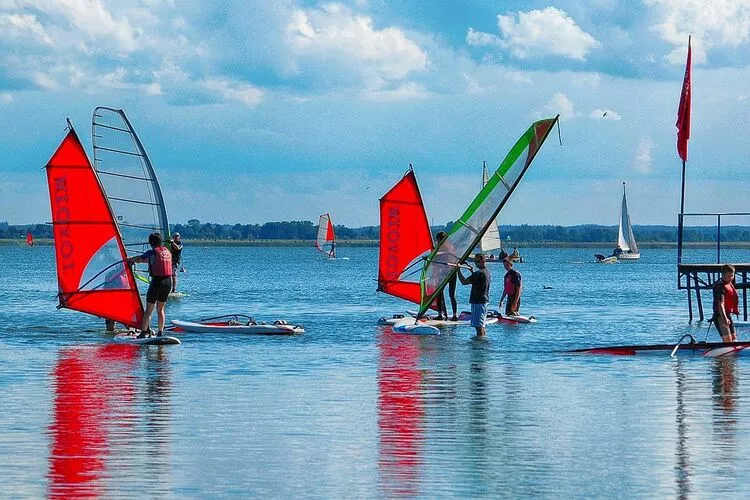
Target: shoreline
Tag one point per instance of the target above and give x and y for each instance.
(374, 243)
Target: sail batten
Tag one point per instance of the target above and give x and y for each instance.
(91, 274)
(481, 213)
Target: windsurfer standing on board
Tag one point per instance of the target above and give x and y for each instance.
(332, 253)
(480, 293)
(159, 260)
(176, 248)
(442, 306)
(726, 303)
(512, 288)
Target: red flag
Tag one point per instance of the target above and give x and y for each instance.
(683, 112)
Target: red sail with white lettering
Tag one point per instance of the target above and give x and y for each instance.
(405, 239)
(92, 276)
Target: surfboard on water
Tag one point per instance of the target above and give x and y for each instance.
(233, 326)
(410, 326)
(511, 318)
(132, 338)
(177, 295)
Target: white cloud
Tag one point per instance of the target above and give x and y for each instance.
(713, 24)
(481, 39)
(543, 32)
(336, 37)
(559, 104)
(605, 114)
(233, 91)
(23, 27)
(644, 156)
(407, 91)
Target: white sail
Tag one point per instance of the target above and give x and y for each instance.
(625, 237)
(491, 239)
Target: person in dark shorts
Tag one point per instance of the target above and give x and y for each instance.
(176, 248)
(442, 306)
(159, 260)
(512, 289)
(726, 303)
(480, 293)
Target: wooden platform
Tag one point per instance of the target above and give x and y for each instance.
(697, 277)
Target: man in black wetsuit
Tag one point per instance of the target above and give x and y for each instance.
(442, 306)
(176, 248)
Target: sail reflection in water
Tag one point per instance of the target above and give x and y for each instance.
(400, 414)
(100, 439)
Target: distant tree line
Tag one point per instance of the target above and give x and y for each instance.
(522, 234)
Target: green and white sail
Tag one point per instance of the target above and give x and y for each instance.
(467, 231)
(129, 180)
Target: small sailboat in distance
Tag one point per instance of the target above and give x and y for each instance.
(29, 239)
(326, 240)
(627, 249)
(491, 240)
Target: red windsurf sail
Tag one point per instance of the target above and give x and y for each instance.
(29, 239)
(92, 276)
(405, 239)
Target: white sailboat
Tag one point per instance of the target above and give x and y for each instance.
(491, 239)
(627, 249)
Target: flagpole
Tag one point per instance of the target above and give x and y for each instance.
(683, 134)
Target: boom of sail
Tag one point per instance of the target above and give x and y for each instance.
(405, 239)
(325, 239)
(491, 240)
(129, 180)
(92, 276)
(466, 233)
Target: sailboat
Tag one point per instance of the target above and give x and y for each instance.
(29, 239)
(129, 181)
(443, 262)
(491, 240)
(92, 275)
(627, 249)
(326, 240)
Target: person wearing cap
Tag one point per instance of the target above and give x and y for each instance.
(176, 248)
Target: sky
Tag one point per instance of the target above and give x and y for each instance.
(258, 110)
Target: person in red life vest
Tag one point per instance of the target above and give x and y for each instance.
(726, 303)
(159, 260)
(512, 289)
(480, 281)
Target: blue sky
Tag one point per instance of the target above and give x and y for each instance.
(256, 110)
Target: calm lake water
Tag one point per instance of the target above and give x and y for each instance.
(351, 410)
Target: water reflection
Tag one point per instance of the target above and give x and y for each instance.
(400, 414)
(109, 429)
(683, 465)
(724, 385)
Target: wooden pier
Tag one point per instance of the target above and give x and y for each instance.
(697, 277)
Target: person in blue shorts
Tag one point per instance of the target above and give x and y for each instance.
(480, 292)
(159, 260)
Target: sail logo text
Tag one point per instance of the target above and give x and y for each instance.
(61, 219)
(393, 236)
